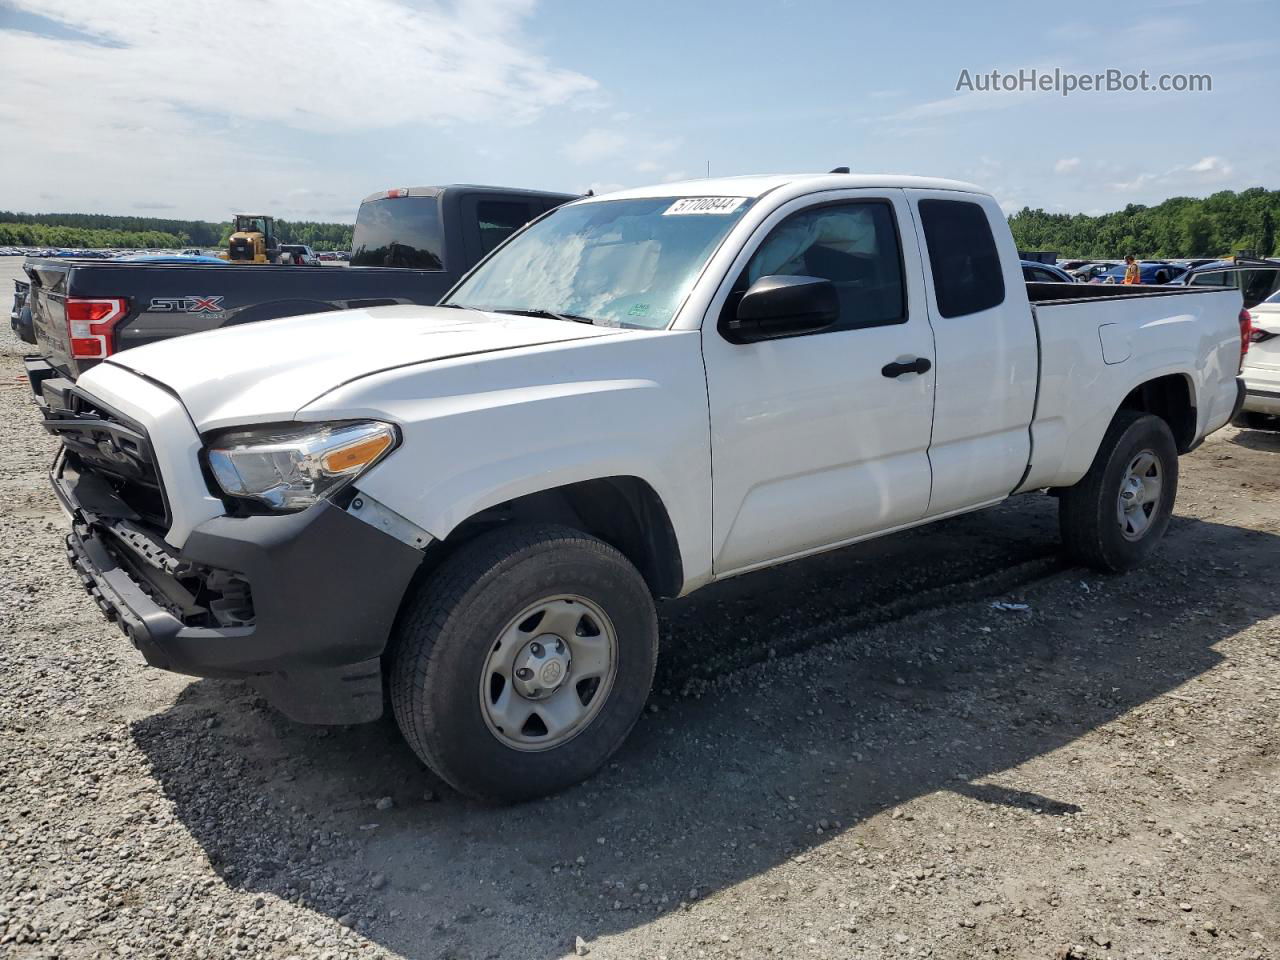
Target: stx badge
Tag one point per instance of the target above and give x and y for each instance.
(186, 304)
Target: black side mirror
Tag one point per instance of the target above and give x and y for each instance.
(777, 307)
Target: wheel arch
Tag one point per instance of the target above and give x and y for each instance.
(1172, 398)
(624, 511)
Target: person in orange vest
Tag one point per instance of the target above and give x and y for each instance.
(1132, 273)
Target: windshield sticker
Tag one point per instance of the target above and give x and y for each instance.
(691, 205)
(638, 310)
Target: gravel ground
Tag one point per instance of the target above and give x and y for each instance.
(853, 756)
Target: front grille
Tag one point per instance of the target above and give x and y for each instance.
(101, 442)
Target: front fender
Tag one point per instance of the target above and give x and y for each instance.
(625, 405)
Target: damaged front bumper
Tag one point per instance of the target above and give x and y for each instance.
(301, 605)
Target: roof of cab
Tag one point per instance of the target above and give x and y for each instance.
(756, 186)
(397, 192)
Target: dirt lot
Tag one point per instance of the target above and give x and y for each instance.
(855, 756)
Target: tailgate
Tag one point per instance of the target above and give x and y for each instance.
(46, 298)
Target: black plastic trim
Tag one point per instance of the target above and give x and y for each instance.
(326, 590)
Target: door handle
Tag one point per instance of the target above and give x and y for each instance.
(918, 365)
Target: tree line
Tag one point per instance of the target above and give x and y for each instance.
(103, 230)
(1224, 224)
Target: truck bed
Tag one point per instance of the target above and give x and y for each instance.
(168, 300)
(1038, 292)
(1142, 334)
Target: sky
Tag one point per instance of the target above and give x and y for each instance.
(196, 109)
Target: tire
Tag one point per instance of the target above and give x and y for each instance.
(1095, 530)
(465, 638)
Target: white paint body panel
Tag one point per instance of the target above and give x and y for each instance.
(263, 372)
(174, 439)
(811, 444)
(986, 376)
(1196, 337)
(1262, 362)
(759, 453)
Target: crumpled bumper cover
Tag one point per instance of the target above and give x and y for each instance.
(326, 588)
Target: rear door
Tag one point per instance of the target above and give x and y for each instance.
(816, 439)
(987, 355)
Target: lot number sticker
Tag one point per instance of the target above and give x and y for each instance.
(687, 206)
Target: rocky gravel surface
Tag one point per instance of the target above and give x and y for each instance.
(945, 744)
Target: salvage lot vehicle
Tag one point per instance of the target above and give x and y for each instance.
(480, 503)
(1256, 279)
(1261, 367)
(84, 312)
(1044, 273)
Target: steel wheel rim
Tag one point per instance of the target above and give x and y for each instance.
(534, 700)
(1140, 491)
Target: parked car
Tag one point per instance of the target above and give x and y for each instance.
(480, 501)
(1088, 271)
(1261, 367)
(1150, 271)
(1033, 272)
(1257, 280)
(86, 311)
(300, 254)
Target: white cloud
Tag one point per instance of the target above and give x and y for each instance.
(595, 146)
(1205, 172)
(606, 151)
(181, 98)
(1211, 165)
(1067, 165)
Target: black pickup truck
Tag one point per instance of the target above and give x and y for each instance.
(410, 245)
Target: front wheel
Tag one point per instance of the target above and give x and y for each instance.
(523, 662)
(1114, 517)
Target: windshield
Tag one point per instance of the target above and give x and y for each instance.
(627, 263)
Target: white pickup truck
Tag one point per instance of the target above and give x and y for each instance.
(475, 505)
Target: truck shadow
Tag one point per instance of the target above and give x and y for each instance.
(1265, 440)
(896, 688)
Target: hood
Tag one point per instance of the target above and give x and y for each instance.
(265, 372)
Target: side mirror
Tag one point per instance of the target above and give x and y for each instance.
(777, 307)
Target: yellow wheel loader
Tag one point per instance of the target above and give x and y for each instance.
(253, 240)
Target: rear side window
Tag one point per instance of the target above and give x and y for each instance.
(967, 276)
(399, 232)
(499, 219)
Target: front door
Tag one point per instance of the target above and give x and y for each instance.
(818, 439)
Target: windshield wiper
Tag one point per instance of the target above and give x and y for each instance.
(548, 314)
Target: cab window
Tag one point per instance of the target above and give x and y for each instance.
(967, 274)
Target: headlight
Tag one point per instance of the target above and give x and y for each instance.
(290, 468)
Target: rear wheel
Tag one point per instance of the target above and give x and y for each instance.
(1114, 517)
(524, 661)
